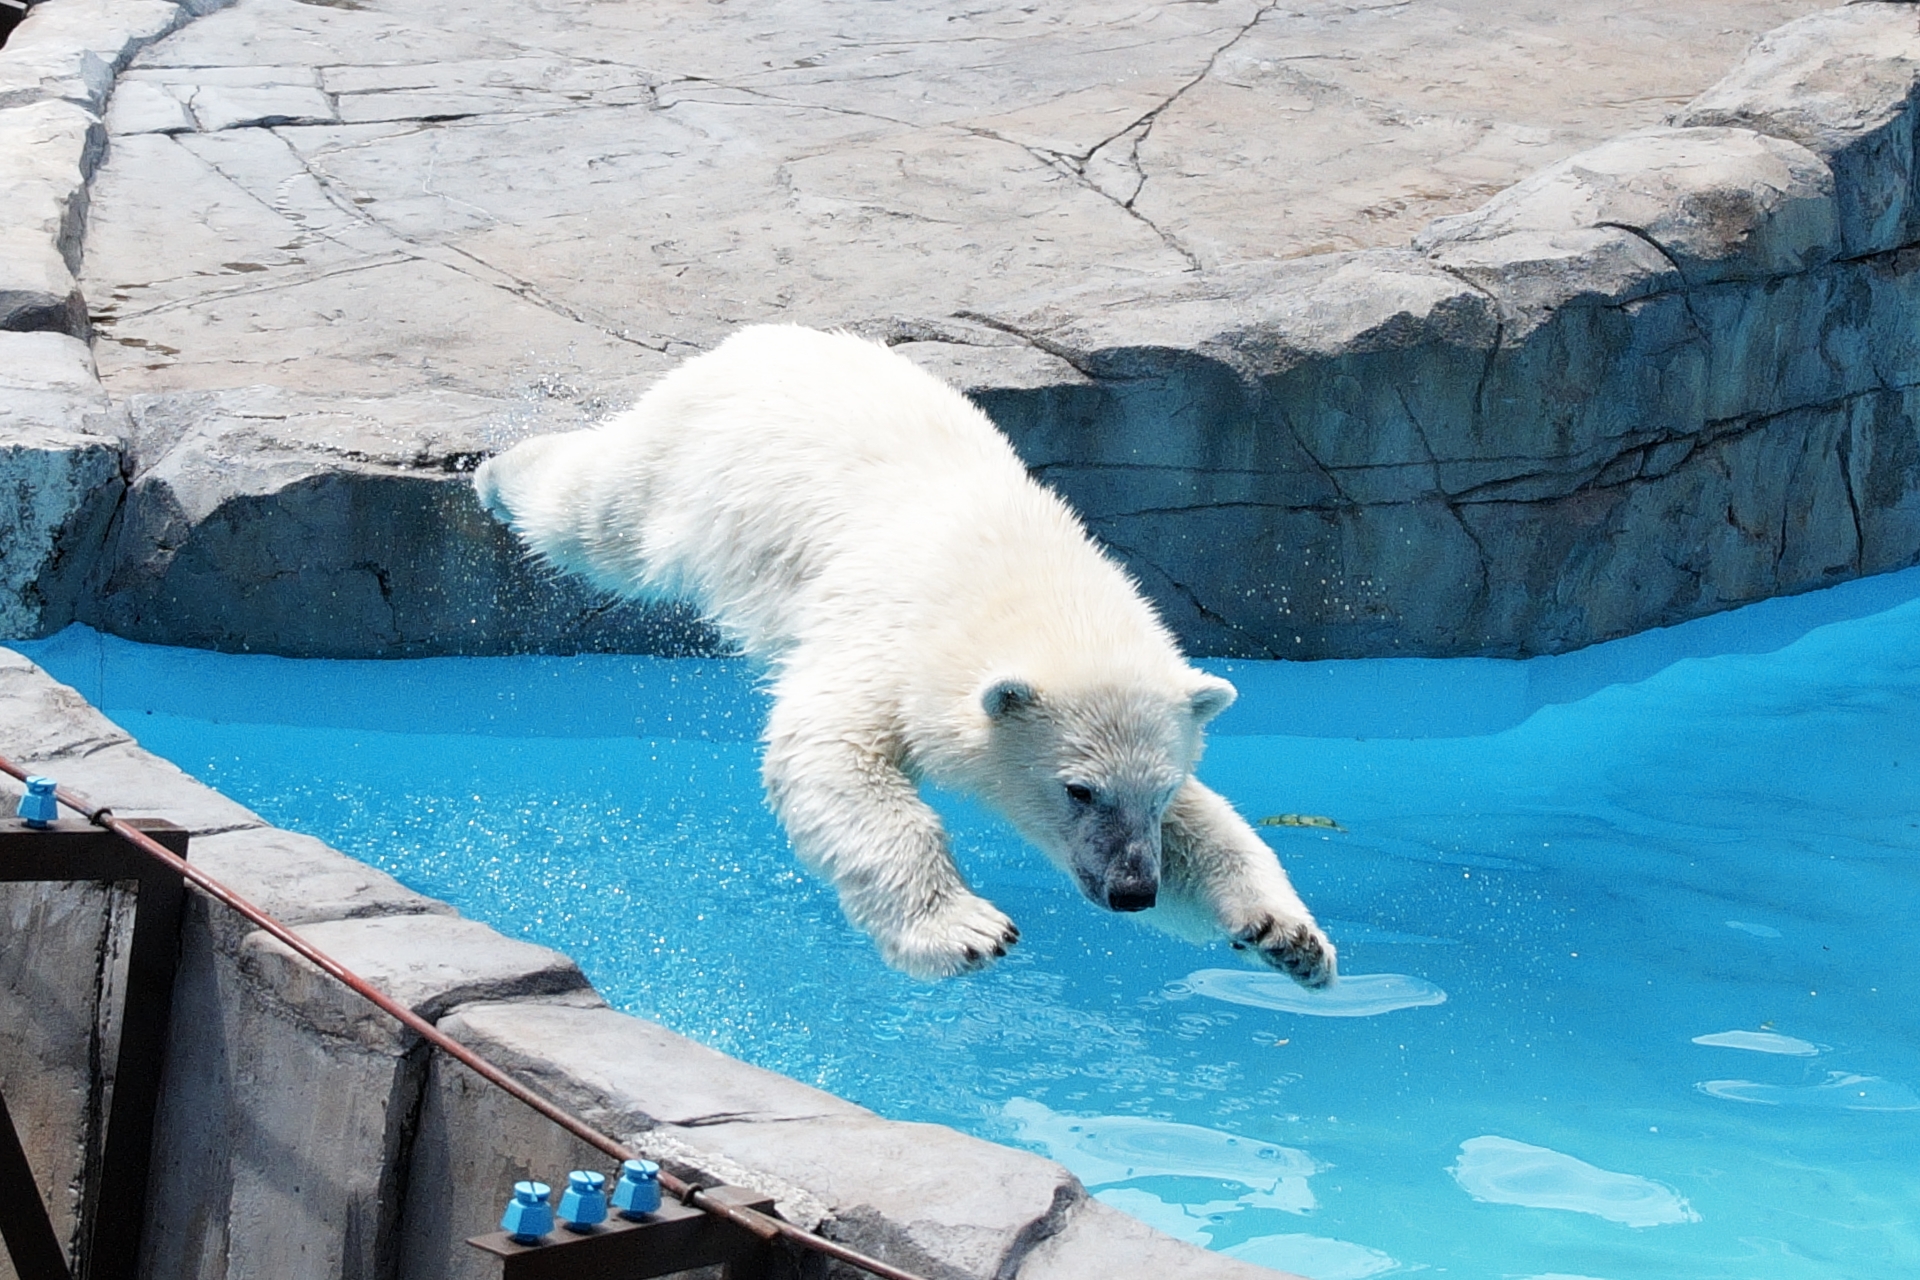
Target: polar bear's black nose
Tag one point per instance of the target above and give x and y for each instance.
(1132, 895)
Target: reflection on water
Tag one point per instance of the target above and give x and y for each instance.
(1203, 1185)
(1549, 917)
(1760, 1042)
(1502, 1171)
(1314, 1256)
(1840, 1091)
(1359, 995)
(1104, 1151)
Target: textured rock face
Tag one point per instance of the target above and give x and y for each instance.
(1364, 449)
(1188, 258)
(60, 478)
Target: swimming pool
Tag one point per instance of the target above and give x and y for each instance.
(1632, 982)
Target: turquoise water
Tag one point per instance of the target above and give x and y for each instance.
(1633, 985)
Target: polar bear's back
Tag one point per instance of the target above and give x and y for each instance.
(789, 471)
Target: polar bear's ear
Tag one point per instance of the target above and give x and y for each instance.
(1211, 695)
(1005, 697)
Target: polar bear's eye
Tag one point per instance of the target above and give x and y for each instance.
(1079, 794)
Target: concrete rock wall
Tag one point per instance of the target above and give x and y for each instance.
(1664, 377)
(300, 1135)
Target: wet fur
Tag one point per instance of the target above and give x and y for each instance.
(925, 610)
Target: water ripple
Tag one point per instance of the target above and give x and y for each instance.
(1360, 995)
(1502, 1171)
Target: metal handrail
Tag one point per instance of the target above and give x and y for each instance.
(760, 1224)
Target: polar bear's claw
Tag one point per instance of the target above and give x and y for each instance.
(960, 936)
(1298, 950)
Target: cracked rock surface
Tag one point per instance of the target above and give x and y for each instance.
(339, 251)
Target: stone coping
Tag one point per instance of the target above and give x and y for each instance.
(1663, 377)
(297, 1127)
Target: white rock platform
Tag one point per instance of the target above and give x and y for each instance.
(1270, 292)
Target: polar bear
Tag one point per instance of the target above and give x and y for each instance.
(926, 610)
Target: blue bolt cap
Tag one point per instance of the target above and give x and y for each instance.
(528, 1217)
(637, 1194)
(584, 1202)
(38, 806)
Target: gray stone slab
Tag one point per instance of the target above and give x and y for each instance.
(139, 107)
(1123, 258)
(1718, 203)
(55, 941)
(218, 107)
(787, 176)
(427, 962)
(299, 880)
(43, 720)
(1841, 83)
(48, 727)
(48, 150)
(275, 1147)
(71, 49)
(922, 1196)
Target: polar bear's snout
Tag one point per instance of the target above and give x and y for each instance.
(1119, 866)
(1133, 878)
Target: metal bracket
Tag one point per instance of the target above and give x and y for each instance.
(113, 1206)
(677, 1238)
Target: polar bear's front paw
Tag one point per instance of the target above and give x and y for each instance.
(1295, 947)
(959, 935)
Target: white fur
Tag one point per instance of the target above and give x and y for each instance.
(862, 529)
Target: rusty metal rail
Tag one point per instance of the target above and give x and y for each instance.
(763, 1225)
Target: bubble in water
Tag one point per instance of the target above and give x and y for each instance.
(1760, 1042)
(1840, 1092)
(1360, 995)
(1501, 1171)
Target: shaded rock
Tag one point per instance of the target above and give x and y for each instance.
(60, 477)
(58, 937)
(1842, 84)
(238, 533)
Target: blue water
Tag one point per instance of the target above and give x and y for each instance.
(1633, 980)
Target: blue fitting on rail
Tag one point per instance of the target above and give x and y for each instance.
(583, 1204)
(637, 1194)
(38, 806)
(528, 1216)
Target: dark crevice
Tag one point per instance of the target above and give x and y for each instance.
(1843, 448)
(1038, 343)
(1686, 289)
(1074, 165)
(1067, 1197)
(404, 1106)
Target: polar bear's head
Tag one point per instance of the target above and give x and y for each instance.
(1086, 774)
